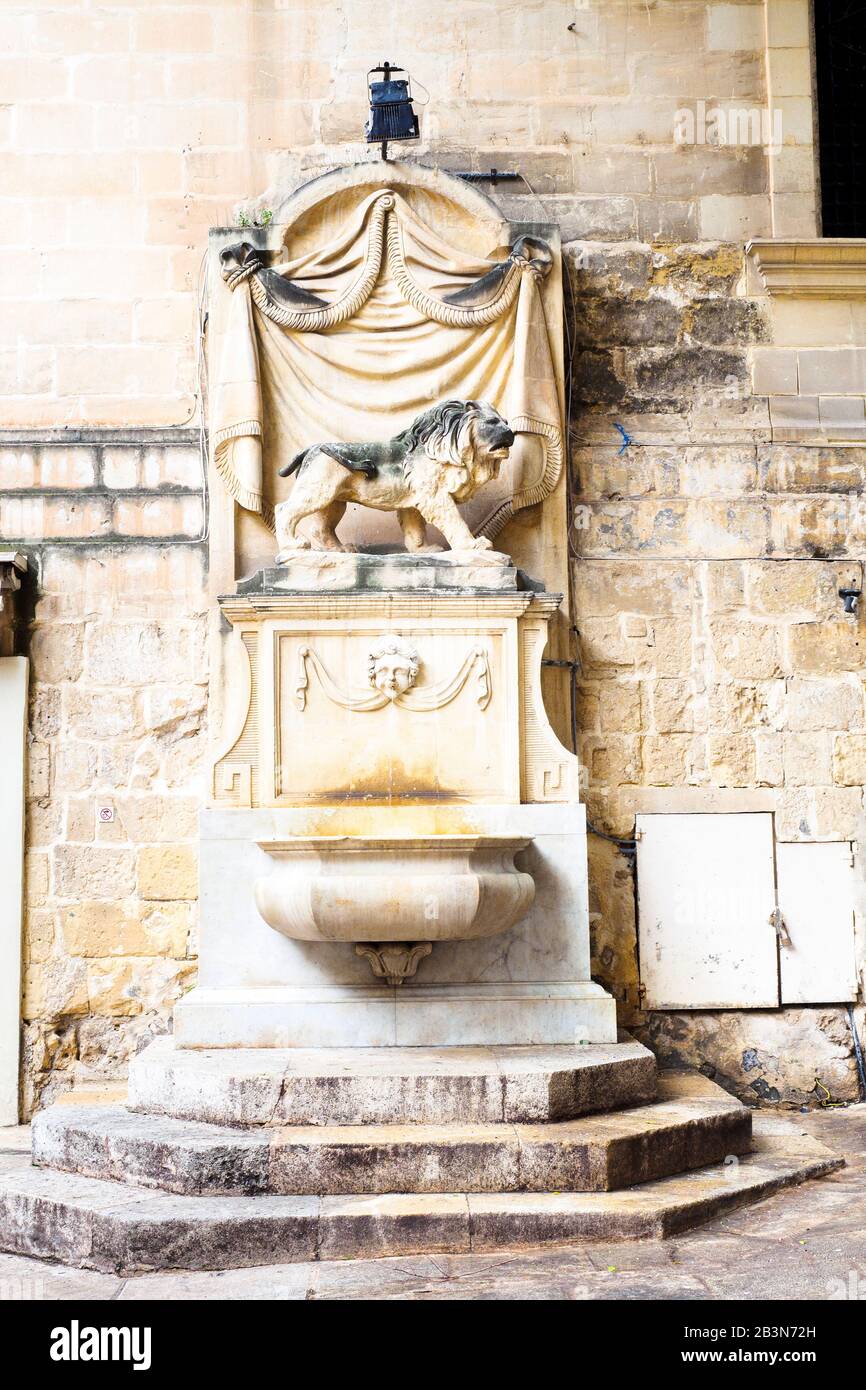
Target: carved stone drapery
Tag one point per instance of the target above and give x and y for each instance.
(411, 319)
(474, 305)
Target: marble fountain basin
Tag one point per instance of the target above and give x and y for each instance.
(394, 888)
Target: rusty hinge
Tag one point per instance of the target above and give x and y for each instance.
(777, 921)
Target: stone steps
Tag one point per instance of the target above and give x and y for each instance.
(396, 1085)
(693, 1124)
(105, 1225)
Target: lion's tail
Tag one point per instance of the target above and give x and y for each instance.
(355, 465)
(296, 464)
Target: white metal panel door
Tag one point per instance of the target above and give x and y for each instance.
(706, 889)
(816, 899)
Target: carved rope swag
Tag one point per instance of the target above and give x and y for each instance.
(382, 234)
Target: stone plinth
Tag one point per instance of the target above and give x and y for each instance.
(335, 571)
(604, 1153)
(389, 1086)
(116, 1189)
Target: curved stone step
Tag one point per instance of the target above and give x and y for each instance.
(395, 1085)
(106, 1226)
(697, 1124)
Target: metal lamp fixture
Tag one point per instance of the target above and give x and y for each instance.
(392, 116)
(850, 596)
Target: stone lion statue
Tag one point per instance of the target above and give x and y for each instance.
(443, 458)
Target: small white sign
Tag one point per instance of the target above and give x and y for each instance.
(105, 814)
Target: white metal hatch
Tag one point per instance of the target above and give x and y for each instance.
(708, 887)
(816, 899)
(706, 890)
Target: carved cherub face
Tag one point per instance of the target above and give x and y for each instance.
(393, 666)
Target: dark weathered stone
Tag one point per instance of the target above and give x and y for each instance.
(660, 370)
(692, 1127)
(103, 1225)
(613, 322)
(371, 1227)
(109, 1142)
(734, 321)
(601, 269)
(402, 1086)
(595, 377)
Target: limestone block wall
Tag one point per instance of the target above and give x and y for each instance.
(718, 670)
(707, 549)
(117, 609)
(128, 128)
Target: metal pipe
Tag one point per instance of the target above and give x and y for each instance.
(858, 1053)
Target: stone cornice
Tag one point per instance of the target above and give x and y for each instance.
(130, 436)
(240, 608)
(820, 268)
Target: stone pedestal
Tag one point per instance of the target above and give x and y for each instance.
(419, 797)
(529, 984)
(237, 1157)
(389, 793)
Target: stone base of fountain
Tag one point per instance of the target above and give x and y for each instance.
(236, 1157)
(288, 894)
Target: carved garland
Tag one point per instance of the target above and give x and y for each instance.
(551, 443)
(314, 320)
(428, 698)
(451, 315)
(384, 231)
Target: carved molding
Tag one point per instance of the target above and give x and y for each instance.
(255, 608)
(237, 759)
(826, 268)
(549, 771)
(427, 698)
(12, 567)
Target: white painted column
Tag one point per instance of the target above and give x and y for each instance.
(13, 726)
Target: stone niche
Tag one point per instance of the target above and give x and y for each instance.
(395, 851)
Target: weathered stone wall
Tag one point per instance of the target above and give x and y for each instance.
(117, 727)
(716, 660)
(127, 129)
(708, 551)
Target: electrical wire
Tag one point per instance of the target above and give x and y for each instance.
(625, 846)
(199, 407)
(202, 313)
(858, 1053)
